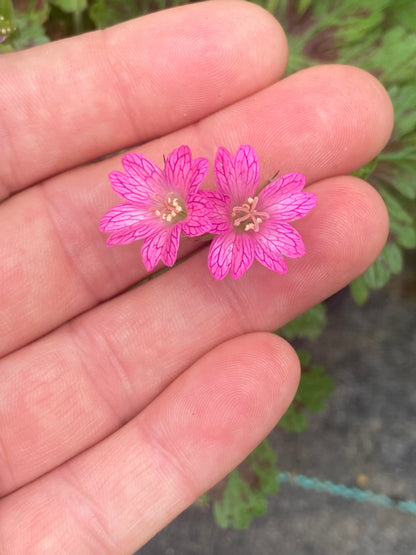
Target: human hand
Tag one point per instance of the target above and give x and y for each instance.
(118, 407)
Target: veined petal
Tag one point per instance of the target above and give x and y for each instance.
(197, 174)
(128, 188)
(237, 177)
(224, 170)
(183, 174)
(220, 254)
(280, 238)
(292, 207)
(270, 258)
(152, 248)
(144, 172)
(177, 168)
(171, 245)
(125, 215)
(233, 250)
(129, 234)
(247, 172)
(281, 188)
(242, 255)
(198, 221)
(219, 211)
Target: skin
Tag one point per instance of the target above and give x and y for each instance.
(118, 407)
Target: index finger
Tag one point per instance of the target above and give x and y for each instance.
(67, 103)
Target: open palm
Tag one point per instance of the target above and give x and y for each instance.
(119, 407)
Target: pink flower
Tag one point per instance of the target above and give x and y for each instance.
(251, 222)
(160, 204)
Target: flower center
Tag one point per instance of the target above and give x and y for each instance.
(246, 217)
(170, 209)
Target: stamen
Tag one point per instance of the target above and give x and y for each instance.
(250, 215)
(169, 208)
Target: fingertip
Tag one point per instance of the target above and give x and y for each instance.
(268, 37)
(365, 104)
(356, 215)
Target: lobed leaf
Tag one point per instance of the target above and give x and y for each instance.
(308, 325)
(247, 489)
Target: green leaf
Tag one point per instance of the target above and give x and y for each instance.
(367, 170)
(238, 505)
(314, 388)
(263, 462)
(70, 6)
(7, 25)
(404, 100)
(293, 420)
(30, 25)
(403, 13)
(394, 207)
(109, 12)
(401, 48)
(404, 183)
(393, 256)
(308, 325)
(359, 290)
(378, 274)
(303, 6)
(247, 489)
(405, 235)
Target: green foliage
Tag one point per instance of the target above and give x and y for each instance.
(7, 25)
(108, 12)
(380, 37)
(247, 488)
(308, 325)
(27, 25)
(70, 6)
(359, 290)
(314, 388)
(365, 171)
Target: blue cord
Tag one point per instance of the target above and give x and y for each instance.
(346, 492)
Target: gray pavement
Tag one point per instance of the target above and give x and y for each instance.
(367, 434)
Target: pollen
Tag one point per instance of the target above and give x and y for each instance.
(249, 218)
(170, 209)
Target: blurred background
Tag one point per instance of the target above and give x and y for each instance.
(337, 476)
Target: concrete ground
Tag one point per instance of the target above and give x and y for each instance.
(366, 435)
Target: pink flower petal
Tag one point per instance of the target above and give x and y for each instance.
(224, 170)
(183, 174)
(197, 174)
(234, 251)
(292, 208)
(242, 255)
(220, 255)
(171, 246)
(144, 173)
(177, 168)
(270, 258)
(128, 188)
(247, 172)
(282, 187)
(281, 238)
(128, 235)
(197, 221)
(152, 248)
(219, 211)
(125, 215)
(237, 177)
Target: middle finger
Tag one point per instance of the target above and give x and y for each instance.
(323, 121)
